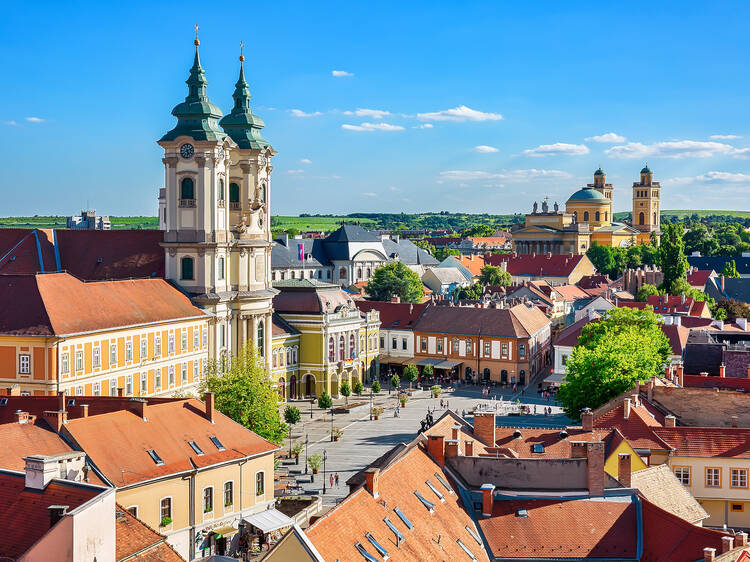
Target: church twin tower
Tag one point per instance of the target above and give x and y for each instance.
(215, 214)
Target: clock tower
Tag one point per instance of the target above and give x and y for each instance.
(215, 209)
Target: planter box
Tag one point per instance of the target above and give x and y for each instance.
(353, 408)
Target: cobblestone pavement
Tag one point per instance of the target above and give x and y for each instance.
(364, 440)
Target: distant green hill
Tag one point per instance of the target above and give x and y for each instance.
(39, 221)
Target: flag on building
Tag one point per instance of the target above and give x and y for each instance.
(300, 252)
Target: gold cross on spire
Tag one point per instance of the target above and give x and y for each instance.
(196, 42)
(242, 57)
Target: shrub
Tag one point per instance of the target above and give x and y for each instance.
(325, 401)
(165, 521)
(376, 386)
(358, 388)
(314, 461)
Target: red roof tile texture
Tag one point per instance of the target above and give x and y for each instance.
(20, 440)
(137, 541)
(639, 428)
(554, 265)
(733, 442)
(554, 445)
(24, 514)
(394, 316)
(60, 304)
(560, 529)
(335, 534)
(166, 430)
(517, 322)
(699, 277)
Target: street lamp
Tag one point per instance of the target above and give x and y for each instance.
(307, 440)
(370, 404)
(311, 405)
(290, 441)
(331, 424)
(325, 456)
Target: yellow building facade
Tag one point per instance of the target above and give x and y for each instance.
(588, 219)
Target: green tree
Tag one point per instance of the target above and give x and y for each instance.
(720, 314)
(325, 401)
(495, 275)
(346, 390)
(672, 256)
(626, 345)
(732, 310)
(357, 388)
(425, 245)
(472, 293)
(292, 415)
(243, 391)
(482, 230)
(647, 290)
(411, 373)
(428, 370)
(395, 279)
(395, 382)
(442, 253)
(730, 269)
(602, 258)
(376, 386)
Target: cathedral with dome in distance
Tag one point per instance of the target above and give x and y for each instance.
(215, 212)
(588, 219)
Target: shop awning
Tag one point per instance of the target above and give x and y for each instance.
(224, 532)
(269, 520)
(428, 361)
(555, 378)
(389, 360)
(447, 364)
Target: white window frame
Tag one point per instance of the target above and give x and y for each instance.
(255, 483)
(205, 336)
(144, 347)
(144, 383)
(157, 379)
(224, 494)
(24, 363)
(128, 351)
(195, 339)
(184, 373)
(113, 387)
(183, 341)
(170, 344)
(128, 385)
(170, 375)
(65, 363)
(79, 360)
(157, 346)
(170, 508)
(195, 370)
(203, 500)
(112, 355)
(97, 389)
(96, 357)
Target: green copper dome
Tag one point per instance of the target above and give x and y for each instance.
(599, 172)
(646, 170)
(587, 194)
(197, 117)
(242, 125)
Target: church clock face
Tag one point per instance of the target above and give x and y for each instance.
(187, 150)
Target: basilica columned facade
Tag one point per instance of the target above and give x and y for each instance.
(215, 211)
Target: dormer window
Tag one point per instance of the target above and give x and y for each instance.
(215, 441)
(155, 457)
(194, 446)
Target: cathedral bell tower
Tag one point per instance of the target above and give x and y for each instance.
(216, 232)
(646, 199)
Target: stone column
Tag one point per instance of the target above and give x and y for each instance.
(200, 198)
(254, 335)
(247, 187)
(170, 162)
(243, 327)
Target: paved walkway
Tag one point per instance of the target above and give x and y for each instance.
(364, 440)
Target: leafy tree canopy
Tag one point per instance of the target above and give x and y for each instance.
(730, 269)
(473, 292)
(292, 415)
(395, 279)
(672, 257)
(495, 275)
(626, 345)
(325, 401)
(243, 391)
(647, 290)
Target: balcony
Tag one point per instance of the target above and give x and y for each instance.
(187, 202)
(234, 205)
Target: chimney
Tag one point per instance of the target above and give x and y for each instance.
(484, 427)
(722, 283)
(735, 419)
(139, 406)
(727, 544)
(451, 448)
(680, 380)
(84, 410)
(650, 391)
(22, 417)
(626, 409)
(488, 497)
(435, 448)
(61, 401)
(623, 469)
(56, 512)
(209, 398)
(454, 431)
(722, 370)
(40, 469)
(469, 448)
(56, 418)
(595, 467)
(709, 554)
(587, 419)
(740, 539)
(396, 299)
(371, 481)
(670, 421)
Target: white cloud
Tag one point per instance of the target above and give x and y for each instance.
(557, 149)
(460, 113)
(370, 194)
(484, 149)
(295, 171)
(300, 113)
(505, 175)
(11, 123)
(607, 137)
(394, 188)
(676, 149)
(305, 161)
(371, 113)
(341, 73)
(35, 120)
(725, 137)
(372, 127)
(424, 126)
(714, 178)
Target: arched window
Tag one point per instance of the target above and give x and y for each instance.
(342, 348)
(221, 190)
(369, 272)
(351, 346)
(289, 356)
(234, 193)
(597, 216)
(641, 218)
(263, 192)
(320, 274)
(606, 216)
(260, 338)
(331, 349)
(187, 189)
(275, 358)
(342, 273)
(293, 274)
(575, 216)
(585, 216)
(294, 355)
(221, 267)
(186, 268)
(654, 217)
(359, 273)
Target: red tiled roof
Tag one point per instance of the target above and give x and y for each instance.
(676, 305)
(555, 446)
(335, 534)
(729, 442)
(633, 304)
(677, 336)
(571, 292)
(669, 538)
(280, 327)
(139, 542)
(516, 322)
(733, 383)
(699, 277)
(568, 337)
(551, 265)
(167, 429)
(473, 263)
(21, 250)
(20, 440)
(593, 281)
(639, 428)
(563, 529)
(60, 304)
(24, 514)
(394, 315)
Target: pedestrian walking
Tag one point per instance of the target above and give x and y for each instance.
(330, 479)
(336, 478)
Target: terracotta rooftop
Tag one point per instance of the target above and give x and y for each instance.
(138, 542)
(639, 428)
(568, 337)
(394, 316)
(60, 304)
(336, 533)
(571, 292)
(593, 281)
(20, 440)
(473, 263)
(676, 305)
(727, 442)
(281, 327)
(699, 277)
(660, 486)
(24, 514)
(166, 430)
(604, 528)
(550, 265)
(516, 322)
(544, 443)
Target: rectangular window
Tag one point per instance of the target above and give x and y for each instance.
(195, 339)
(195, 370)
(165, 508)
(208, 500)
(403, 344)
(157, 346)
(133, 510)
(113, 387)
(183, 342)
(170, 344)
(144, 383)
(171, 375)
(487, 349)
(739, 478)
(228, 494)
(24, 364)
(504, 349)
(222, 342)
(713, 477)
(184, 373)
(97, 360)
(382, 342)
(129, 385)
(564, 359)
(113, 355)
(65, 363)
(737, 507)
(157, 379)
(144, 348)
(203, 368)
(260, 484)
(194, 446)
(221, 268)
(205, 337)
(423, 344)
(440, 345)
(394, 343)
(79, 390)
(128, 351)
(79, 360)
(97, 389)
(521, 350)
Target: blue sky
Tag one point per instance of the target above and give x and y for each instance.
(471, 106)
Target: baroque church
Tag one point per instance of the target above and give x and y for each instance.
(588, 219)
(215, 211)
